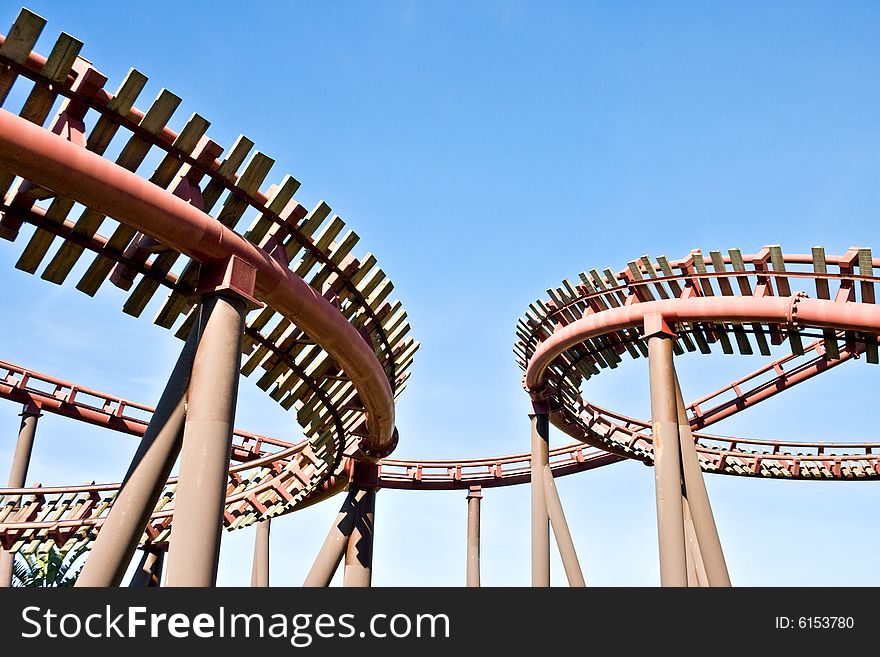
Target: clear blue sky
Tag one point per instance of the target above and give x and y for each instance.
(484, 151)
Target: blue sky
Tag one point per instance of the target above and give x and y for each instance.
(484, 151)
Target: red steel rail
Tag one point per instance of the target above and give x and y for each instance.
(586, 327)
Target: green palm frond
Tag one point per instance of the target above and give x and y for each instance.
(46, 568)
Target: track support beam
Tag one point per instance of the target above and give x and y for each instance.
(560, 531)
(700, 510)
(667, 459)
(149, 570)
(24, 445)
(333, 549)
(540, 518)
(121, 532)
(260, 569)
(474, 496)
(359, 551)
(194, 547)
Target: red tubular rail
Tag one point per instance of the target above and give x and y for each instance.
(52, 162)
(808, 312)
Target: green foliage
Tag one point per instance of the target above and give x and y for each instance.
(46, 568)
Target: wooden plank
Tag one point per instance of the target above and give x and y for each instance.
(783, 289)
(57, 67)
(777, 260)
(322, 242)
(615, 287)
(663, 262)
(310, 223)
(163, 176)
(40, 242)
(278, 200)
(39, 101)
(820, 268)
(652, 273)
(120, 104)
(719, 329)
(745, 289)
(176, 303)
(20, 41)
(283, 328)
(163, 262)
(130, 158)
(866, 268)
(338, 252)
(97, 142)
(742, 340)
(234, 159)
(252, 177)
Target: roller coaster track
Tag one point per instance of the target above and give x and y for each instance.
(327, 342)
(264, 477)
(323, 335)
(743, 302)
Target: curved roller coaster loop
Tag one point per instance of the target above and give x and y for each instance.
(656, 308)
(285, 294)
(287, 299)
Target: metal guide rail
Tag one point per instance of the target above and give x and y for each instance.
(64, 94)
(269, 475)
(736, 302)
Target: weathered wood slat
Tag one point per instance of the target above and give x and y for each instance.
(130, 158)
(163, 176)
(742, 340)
(255, 172)
(20, 40)
(97, 142)
(777, 260)
(718, 329)
(176, 303)
(745, 289)
(278, 200)
(233, 160)
(866, 268)
(322, 242)
(38, 104)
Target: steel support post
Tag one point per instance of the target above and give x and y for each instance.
(149, 570)
(150, 468)
(359, 549)
(194, 547)
(359, 552)
(560, 530)
(540, 518)
(335, 544)
(705, 530)
(667, 461)
(260, 570)
(696, 568)
(18, 473)
(475, 494)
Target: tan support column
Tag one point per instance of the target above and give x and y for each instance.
(696, 567)
(335, 544)
(667, 461)
(540, 518)
(359, 552)
(705, 530)
(260, 569)
(149, 571)
(560, 531)
(30, 414)
(475, 494)
(150, 468)
(194, 547)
